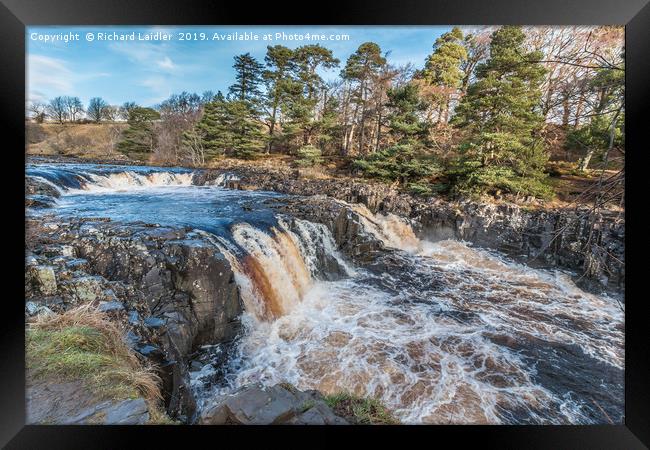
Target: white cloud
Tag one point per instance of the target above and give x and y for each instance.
(49, 74)
(166, 63)
(49, 77)
(145, 55)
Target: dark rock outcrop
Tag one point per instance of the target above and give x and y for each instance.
(72, 403)
(590, 243)
(176, 290)
(281, 404)
(39, 194)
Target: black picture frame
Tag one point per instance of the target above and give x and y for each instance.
(15, 15)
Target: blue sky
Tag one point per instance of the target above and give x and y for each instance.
(147, 72)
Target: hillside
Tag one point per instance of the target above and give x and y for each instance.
(81, 140)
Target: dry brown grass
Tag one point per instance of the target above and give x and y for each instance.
(83, 344)
(89, 140)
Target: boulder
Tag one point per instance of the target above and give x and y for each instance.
(87, 288)
(261, 405)
(44, 278)
(111, 306)
(125, 412)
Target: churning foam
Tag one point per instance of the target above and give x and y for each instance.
(392, 230)
(434, 353)
(127, 180)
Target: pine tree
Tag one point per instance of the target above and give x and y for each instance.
(212, 130)
(280, 65)
(247, 137)
(360, 69)
(443, 69)
(139, 139)
(248, 78)
(405, 161)
(227, 127)
(605, 128)
(304, 90)
(501, 119)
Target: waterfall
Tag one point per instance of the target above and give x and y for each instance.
(93, 178)
(130, 180)
(392, 230)
(275, 269)
(314, 239)
(222, 179)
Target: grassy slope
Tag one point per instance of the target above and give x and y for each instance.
(82, 140)
(82, 345)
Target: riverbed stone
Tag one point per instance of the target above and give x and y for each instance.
(269, 405)
(45, 279)
(87, 288)
(111, 306)
(126, 412)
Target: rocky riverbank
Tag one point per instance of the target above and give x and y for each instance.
(591, 244)
(172, 292)
(169, 286)
(178, 295)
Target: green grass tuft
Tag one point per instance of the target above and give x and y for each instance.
(359, 410)
(83, 345)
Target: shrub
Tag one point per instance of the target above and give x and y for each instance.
(309, 155)
(397, 163)
(493, 179)
(420, 189)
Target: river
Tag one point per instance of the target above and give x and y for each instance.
(446, 333)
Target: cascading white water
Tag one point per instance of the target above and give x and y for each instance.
(453, 355)
(392, 230)
(278, 267)
(133, 180)
(310, 237)
(222, 179)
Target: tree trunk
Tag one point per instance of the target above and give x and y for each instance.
(272, 129)
(447, 103)
(576, 121)
(350, 139)
(352, 125)
(565, 111)
(344, 144)
(363, 118)
(584, 162)
(612, 136)
(378, 140)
